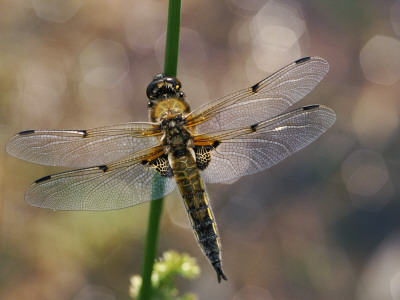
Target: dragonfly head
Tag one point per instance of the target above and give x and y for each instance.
(163, 87)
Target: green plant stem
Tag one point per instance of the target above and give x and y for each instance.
(170, 68)
(150, 248)
(172, 40)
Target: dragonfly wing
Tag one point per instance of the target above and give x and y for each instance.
(82, 148)
(262, 101)
(118, 185)
(257, 147)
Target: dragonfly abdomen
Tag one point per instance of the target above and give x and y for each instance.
(200, 214)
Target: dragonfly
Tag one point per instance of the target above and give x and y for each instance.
(124, 165)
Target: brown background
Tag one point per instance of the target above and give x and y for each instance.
(324, 224)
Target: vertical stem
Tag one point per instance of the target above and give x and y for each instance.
(170, 68)
(172, 41)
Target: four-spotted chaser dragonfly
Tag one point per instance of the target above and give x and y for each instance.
(233, 136)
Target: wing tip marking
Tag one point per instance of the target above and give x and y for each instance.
(27, 132)
(45, 178)
(255, 87)
(104, 168)
(254, 127)
(302, 60)
(216, 144)
(309, 107)
(83, 132)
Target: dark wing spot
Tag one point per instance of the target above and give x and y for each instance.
(26, 132)
(301, 60)
(84, 133)
(308, 107)
(255, 87)
(45, 178)
(216, 144)
(254, 127)
(104, 168)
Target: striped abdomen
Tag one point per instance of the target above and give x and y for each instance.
(200, 215)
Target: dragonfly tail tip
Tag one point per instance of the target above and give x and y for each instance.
(220, 273)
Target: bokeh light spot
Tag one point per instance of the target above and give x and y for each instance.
(104, 63)
(58, 11)
(367, 180)
(375, 119)
(395, 286)
(365, 175)
(379, 59)
(276, 30)
(144, 24)
(380, 278)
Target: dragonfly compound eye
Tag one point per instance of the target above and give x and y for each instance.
(163, 87)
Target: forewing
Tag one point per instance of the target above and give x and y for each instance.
(262, 101)
(262, 145)
(82, 148)
(118, 185)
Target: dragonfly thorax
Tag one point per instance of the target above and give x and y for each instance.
(166, 108)
(176, 138)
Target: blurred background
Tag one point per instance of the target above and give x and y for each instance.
(323, 224)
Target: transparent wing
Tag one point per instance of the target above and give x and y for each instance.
(262, 145)
(118, 185)
(262, 101)
(82, 148)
